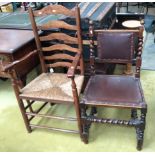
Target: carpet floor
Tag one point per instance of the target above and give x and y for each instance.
(148, 56)
(103, 138)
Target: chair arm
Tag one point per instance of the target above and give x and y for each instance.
(19, 63)
(73, 67)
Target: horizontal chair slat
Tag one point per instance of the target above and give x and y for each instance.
(123, 61)
(54, 9)
(59, 56)
(59, 64)
(60, 47)
(57, 24)
(60, 36)
(52, 117)
(55, 129)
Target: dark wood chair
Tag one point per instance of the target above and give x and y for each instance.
(51, 87)
(114, 91)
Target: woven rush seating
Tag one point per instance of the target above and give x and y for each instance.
(52, 86)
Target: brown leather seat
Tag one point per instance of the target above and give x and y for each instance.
(114, 91)
(52, 86)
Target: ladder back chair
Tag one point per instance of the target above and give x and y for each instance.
(50, 87)
(114, 91)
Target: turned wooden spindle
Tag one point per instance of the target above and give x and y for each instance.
(92, 52)
(140, 48)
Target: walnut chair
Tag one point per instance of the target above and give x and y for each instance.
(50, 87)
(114, 91)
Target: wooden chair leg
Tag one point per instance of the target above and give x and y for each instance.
(85, 134)
(77, 106)
(25, 117)
(85, 126)
(93, 111)
(140, 136)
(140, 130)
(16, 85)
(134, 114)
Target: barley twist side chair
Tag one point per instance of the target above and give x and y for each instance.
(114, 91)
(52, 88)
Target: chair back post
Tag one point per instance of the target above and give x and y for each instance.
(37, 40)
(92, 52)
(79, 34)
(140, 48)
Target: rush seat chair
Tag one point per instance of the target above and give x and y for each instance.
(52, 88)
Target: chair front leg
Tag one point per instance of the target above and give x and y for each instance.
(140, 129)
(23, 112)
(20, 101)
(77, 106)
(85, 124)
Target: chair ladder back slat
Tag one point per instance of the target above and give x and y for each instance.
(59, 64)
(56, 24)
(54, 9)
(59, 56)
(60, 36)
(60, 47)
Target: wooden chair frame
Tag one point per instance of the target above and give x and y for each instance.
(76, 64)
(135, 121)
